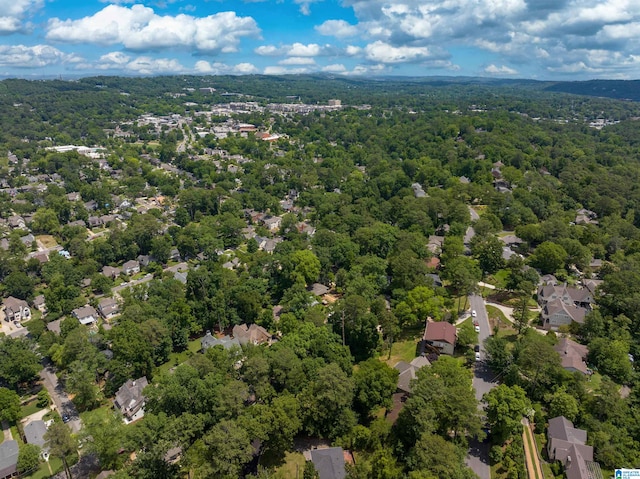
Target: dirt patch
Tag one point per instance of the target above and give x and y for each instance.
(47, 241)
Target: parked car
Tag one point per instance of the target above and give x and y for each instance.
(477, 356)
(477, 328)
(473, 313)
(476, 348)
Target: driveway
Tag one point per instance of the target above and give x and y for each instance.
(478, 456)
(59, 397)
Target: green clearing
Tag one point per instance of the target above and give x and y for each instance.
(30, 408)
(43, 470)
(176, 359)
(401, 351)
(292, 467)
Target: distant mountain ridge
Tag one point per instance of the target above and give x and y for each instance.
(619, 89)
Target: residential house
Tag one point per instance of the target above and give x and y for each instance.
(17, 222)
(73, 196)
(319, 289)
(130, 400)
(440, 335)
(253, 334)
(435, 244)
(329, 463)
(40, 304)
(41, 256)
(273, 223)
(16, 309)
(557, 313)
(562, 304)
(86, 314)
(144, 260)
(209, 341)
(108, 308)
(572, 355)
(586, 217)
(174, 255)
(568, 445)
(77, 223)
(28, 240)
(8, 459)
(407, 372)
(131, 267)
(34, 433)
(437, 282)
(94, 221)
(418, 191)
(111, 272)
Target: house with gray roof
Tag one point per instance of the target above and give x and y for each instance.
(130, 400)
(329, 463)
(108, 308)
(573, 356)
(8, 459)
(568, 445)
(408, 372)
(209, 341)
(16, 309)
(86, 314)
(34, 433)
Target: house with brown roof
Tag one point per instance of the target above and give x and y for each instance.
(572, 355)
(568, 445)
(130, 400)
(440, 335)
(16, 309)
(253, 334)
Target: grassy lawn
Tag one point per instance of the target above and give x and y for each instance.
(498, 279)
(291, 469)
(401, 351)
(103, 413)
(178, 358)
(30, 408)
(43, 471)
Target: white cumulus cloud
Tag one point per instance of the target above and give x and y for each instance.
(500, 70)
(385, 53)
(337, 28)
(218, 68)
(140, 28)
(297, 61)
(14, 12)
(21, 56)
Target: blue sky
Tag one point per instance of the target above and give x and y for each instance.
(541, 39)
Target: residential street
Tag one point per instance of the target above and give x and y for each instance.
(478, 457)
(60, 399)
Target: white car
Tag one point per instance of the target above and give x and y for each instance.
(477, 328)
(473, 313)
(477, 356)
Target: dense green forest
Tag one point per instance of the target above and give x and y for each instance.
(351, 199)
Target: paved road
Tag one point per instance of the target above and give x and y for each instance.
(478, 456)
(59, 396)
